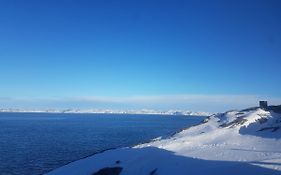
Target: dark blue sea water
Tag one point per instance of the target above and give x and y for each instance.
(35, 143)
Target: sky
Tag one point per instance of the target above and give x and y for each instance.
(198, 55)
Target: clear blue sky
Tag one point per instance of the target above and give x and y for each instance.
(122, 49)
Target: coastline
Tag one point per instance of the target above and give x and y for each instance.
(95, 111)
(168, 136)
(205, 144)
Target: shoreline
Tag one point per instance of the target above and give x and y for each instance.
(218, 143)
(168, 136)
(129, 112)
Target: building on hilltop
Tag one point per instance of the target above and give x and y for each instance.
(263, 105)
(273, 108)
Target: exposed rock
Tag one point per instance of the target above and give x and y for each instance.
(109, 171)
(273, 129)
(153, 172)
(262, 120)
(238, 121)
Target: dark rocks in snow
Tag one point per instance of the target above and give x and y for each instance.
(178, 113)
(205, 120)
(109, 171)
(237, 122)
(262, 120)
(273, 129)
(153, 172)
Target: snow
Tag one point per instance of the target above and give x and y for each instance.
(235, 142)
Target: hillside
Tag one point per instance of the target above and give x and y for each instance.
(234, 142)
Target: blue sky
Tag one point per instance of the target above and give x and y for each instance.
(196, 55)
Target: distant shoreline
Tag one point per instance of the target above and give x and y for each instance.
(138, 112)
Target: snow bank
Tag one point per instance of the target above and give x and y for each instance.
(235, 142)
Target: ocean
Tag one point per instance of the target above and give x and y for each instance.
(36, 143)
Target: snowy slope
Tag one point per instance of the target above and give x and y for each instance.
(235, 142)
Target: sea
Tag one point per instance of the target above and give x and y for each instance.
(36, 143)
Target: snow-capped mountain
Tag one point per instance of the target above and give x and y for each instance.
(234, 142)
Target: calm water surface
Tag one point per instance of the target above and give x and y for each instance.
(35, 143)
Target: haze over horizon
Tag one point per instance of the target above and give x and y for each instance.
(195, 55)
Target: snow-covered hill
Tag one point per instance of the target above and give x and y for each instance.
(231, 143)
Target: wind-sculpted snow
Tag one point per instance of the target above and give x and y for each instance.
(256, 122)
(235, 142)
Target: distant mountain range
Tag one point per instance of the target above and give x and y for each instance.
(109, 111)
